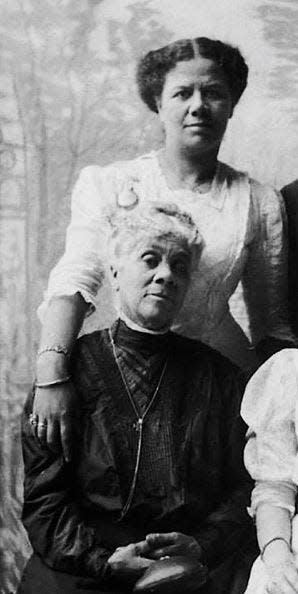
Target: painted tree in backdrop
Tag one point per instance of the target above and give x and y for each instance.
(280, 19)
(67, 101)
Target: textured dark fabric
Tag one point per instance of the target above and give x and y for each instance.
(71, 511)
(290, 196)
(141, 357)
(140, 344)
(39, 578)
(230, 577)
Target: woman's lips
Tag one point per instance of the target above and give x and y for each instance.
(198, 125)
(161, 296)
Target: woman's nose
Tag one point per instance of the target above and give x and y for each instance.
(164, 273)
(197, 102)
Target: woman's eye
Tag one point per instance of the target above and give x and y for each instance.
(180, 267)
(183, 93)
(150, 260)
(213, 94)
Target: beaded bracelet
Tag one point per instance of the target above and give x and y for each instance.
(57, 348)
(273, 540)
(56, 382)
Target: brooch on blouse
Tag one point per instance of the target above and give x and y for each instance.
(128, 197)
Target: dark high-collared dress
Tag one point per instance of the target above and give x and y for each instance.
(190, 478)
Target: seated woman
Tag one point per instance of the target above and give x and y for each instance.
(157, 464)
(270, 408)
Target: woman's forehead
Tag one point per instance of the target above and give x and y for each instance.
(162, 241)
(198, 69)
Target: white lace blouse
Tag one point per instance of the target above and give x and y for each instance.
(242, 224)
(270, 409)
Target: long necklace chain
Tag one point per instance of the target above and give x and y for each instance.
(139, 422)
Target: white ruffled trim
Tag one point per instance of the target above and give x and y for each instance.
(67, 292)
(133, 326)
(276, 493)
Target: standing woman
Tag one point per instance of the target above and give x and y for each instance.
(193, 85)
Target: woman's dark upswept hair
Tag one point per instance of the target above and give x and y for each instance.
(154, 66)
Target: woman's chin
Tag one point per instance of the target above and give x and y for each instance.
(164, 312)
(157, 322)
(201, 144)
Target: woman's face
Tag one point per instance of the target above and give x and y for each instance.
(152, 280)
(195, 105)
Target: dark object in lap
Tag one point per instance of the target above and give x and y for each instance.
(172, 576)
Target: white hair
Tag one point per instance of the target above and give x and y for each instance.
(154, 219)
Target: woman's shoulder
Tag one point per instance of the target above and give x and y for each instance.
(259, 191)
(266, 199)
(89, 343)
(267, 205)
(266, 202)
(198, 354)
(271, 393)
(88, 349)
(119, 169)
(230, 173)
(100, 187)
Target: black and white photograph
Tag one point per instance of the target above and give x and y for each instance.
(149, 296)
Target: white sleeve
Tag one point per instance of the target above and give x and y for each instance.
(270, 411)
(82, 266)
(265, 279)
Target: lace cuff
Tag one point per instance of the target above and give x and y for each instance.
(275, 493)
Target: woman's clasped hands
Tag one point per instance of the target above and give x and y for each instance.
(132, 560)
(170, 544)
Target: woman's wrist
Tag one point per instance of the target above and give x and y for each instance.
(50, 366)
(277, 550)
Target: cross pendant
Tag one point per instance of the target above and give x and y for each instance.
(138, 425)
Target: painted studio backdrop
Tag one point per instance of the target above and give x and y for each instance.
(68, 99)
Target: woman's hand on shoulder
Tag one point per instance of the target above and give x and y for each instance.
(171, 544)
(53, 416)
